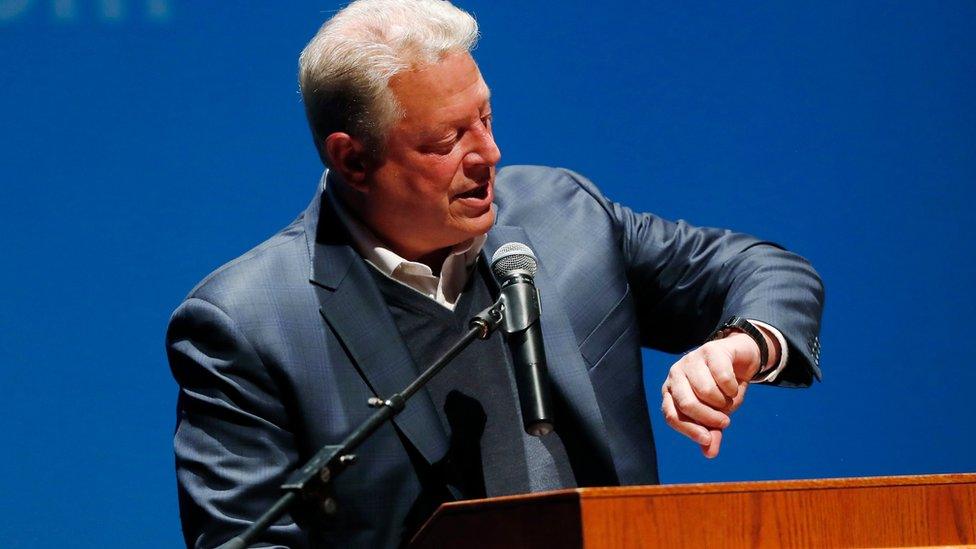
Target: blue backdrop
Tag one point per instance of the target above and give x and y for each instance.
(144, 143)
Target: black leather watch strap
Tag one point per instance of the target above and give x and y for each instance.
(742, 325)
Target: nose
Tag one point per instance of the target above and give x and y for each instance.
(484, 152)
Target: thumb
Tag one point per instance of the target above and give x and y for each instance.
(711, 450)
(739, 397)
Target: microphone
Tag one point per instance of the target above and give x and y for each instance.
(514, 265)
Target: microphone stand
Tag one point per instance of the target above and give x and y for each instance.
(314, 478)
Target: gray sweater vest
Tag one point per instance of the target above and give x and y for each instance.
(476, 397)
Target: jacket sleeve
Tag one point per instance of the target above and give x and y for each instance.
(232, 442)
(688, 280)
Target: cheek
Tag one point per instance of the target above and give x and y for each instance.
(438, 182)
(442, 170)
(425, 181)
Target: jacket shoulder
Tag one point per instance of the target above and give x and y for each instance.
(527, 177)
(280, 261)
(537, 192)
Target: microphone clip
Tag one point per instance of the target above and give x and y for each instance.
(489, 320)
(521, 304)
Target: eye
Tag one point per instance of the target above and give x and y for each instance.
(442, 147)
(486, 120)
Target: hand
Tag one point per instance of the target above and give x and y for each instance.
(708, 384)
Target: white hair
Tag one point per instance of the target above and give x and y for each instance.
(345, 69)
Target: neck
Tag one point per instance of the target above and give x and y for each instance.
(434, 259)
(353, 203)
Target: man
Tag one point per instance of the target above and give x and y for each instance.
(277, 352)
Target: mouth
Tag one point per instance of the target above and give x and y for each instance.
(478, 193)
(475, 202)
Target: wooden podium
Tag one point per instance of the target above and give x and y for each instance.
(929, 510)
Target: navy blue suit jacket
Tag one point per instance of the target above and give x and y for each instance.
(277, 352)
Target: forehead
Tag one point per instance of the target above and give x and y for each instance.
(441, 92)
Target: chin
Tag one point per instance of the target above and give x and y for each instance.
(464, 227)
(484, 222)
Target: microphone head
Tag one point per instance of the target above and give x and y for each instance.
(513, 258)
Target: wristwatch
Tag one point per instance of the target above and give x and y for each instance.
(739, 324)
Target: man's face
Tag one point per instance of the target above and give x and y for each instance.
(434, 187)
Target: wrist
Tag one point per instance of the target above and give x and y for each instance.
(759, 351)
(746, 348)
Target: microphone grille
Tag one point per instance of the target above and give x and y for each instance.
(513, 257)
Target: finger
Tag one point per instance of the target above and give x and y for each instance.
(679, 422)
(711, 450)
(686, 401)
(702, 382)
(737, 401)
(721, 369)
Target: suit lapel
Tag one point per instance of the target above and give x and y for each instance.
(353, 307)
(567, 370)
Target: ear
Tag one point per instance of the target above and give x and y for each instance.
(347, 155)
